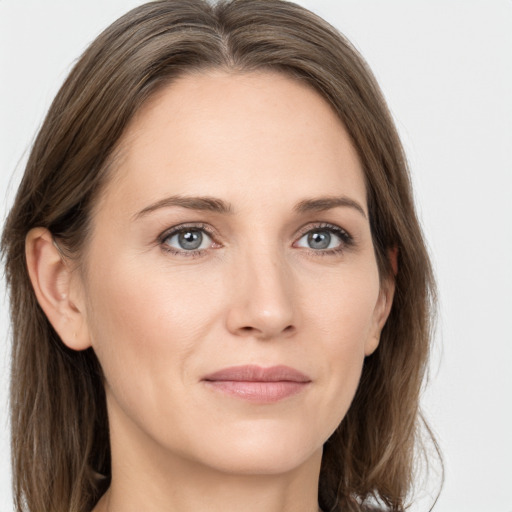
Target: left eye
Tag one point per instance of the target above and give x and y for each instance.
(321, 239)
(189, 239)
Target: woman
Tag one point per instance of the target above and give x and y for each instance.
(220, 293)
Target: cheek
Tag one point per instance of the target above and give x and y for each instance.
(144, 325)
(342, 306)
(343, 318)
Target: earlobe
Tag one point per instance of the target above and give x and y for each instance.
(381, 314)
(384, 303)
(55, 289)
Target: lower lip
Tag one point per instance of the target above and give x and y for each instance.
(260, 391)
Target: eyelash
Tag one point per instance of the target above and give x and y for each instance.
(347, 240)
(180, 229)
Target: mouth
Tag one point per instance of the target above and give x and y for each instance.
(257, 384)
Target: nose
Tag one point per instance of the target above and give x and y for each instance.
(262, 303)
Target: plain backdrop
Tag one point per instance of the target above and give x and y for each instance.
(445, 67)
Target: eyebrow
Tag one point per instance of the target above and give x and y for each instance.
(206, 203)
(213, 204)
(321, 204)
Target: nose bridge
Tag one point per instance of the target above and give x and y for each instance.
(263, 300)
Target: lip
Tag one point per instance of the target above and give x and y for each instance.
(255, 373)
(258, 384)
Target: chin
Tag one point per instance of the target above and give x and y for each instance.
(257, 463)
(262, 453)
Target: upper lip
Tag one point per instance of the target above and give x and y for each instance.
(254, 373)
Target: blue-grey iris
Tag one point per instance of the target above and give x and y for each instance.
(190, 239)
(319, 239)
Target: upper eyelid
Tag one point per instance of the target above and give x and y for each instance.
(184, 226)
(323, 225)
(213, 232)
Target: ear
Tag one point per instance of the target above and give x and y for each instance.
(380, 313)
(57, 289)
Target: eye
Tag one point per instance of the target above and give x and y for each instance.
(325, 238)
(187, 239)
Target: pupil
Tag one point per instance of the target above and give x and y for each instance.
(190, 239)
(319, 240)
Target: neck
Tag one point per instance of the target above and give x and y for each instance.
(147, 477)
(188, 487)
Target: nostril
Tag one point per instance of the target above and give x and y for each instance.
(261, 332)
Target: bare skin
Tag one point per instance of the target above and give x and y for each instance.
(234, 231)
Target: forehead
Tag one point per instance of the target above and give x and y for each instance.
(220, 133)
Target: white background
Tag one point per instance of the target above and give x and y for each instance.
(446, 69)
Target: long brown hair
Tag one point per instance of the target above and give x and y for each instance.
(60, 443)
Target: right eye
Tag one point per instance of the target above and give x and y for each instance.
(183, 240)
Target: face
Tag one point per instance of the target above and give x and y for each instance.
(231, 290)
